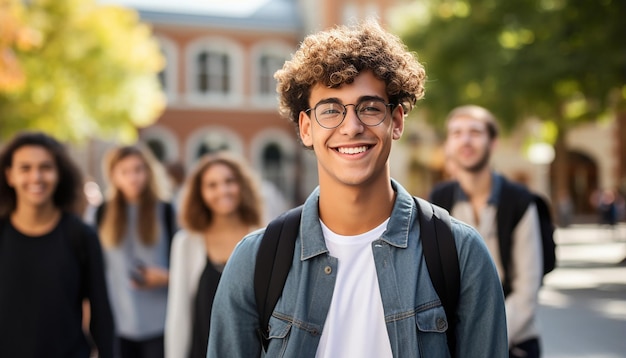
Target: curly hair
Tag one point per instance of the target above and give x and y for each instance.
(336, 56)
(68, 194)
(196, 216)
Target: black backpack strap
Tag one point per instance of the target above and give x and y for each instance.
(270, 274)
(170, 220)
(513, 202)
(442, 261)
(443, 194)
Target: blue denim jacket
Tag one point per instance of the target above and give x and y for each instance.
(415, 318)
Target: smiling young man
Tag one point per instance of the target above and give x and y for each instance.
(358, 284)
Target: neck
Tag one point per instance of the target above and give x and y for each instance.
(35, 220)
(226, 223)
(475, 184)
(352, 210)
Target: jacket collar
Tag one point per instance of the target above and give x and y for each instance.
(397, 234)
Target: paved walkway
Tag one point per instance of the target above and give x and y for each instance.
(583, 301)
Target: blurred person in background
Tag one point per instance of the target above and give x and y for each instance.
(220, 204)
(472, 132)
(50, 260)
(176, 174)
(136, 225)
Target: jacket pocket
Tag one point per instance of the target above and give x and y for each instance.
(431, 332)
(432, 320)
(278, 337)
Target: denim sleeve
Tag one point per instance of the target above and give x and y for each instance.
(481, 330)
(234, 319)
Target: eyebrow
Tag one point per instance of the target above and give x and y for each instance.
(359, 100)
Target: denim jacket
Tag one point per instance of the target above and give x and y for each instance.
(415, 319)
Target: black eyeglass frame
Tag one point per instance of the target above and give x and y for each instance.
(345, 111)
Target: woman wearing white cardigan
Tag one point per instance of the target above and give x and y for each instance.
(220, 204)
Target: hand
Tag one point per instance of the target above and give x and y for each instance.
(152, 277)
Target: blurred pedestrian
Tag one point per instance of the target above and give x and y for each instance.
(221, 203)
(136, 226)
(176, 175)
(50, 260)
(565, 208)
(475, 195)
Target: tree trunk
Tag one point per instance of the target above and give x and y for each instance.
(560, 178)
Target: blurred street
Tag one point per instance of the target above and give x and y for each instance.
(583, 301)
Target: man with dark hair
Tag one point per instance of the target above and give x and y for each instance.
(478, 196)
(358, 283)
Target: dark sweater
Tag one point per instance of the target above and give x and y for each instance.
(41, 292)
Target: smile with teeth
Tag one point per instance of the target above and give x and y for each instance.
(352, 150)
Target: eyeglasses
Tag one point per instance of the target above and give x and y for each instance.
(371, 112)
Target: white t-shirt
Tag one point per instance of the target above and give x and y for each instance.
(355, 325)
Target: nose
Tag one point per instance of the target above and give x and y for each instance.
(351, 124)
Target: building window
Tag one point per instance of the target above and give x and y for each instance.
(267, 58)
(213, 72)
(157, 148)
(273, 165)
(268, 65)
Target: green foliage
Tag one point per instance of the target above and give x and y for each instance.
(93, 72)
(557, 60)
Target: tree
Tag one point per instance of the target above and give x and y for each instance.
(75, 68)
(562, 61)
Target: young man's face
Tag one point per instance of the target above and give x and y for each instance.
(468, 144)
(352, 153)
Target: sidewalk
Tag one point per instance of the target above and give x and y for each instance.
(583, 301)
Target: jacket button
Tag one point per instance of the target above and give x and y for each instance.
(441, 323)
(328, 270)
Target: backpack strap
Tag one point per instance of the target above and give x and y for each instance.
(442, 261)
(443, 194)
(270, 274)
(169, 218)
(513, 203)
(279, 241)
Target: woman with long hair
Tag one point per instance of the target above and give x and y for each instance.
(220, 204)
(136, 225)
(50, 260)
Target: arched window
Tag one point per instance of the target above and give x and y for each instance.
(211, 139)
(273, 162)
(157, 148)
(161, 141)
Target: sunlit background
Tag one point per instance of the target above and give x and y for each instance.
(188, 77)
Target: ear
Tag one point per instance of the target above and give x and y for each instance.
(304, 122)
(397, 122)
(493, 144)
(8, 177)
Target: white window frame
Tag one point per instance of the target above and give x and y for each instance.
(235, 55)
(169, 49)
(166, 137)
(200, 135)
(287, 145)
(266, 48)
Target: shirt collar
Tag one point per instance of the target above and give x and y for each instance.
(397, 233)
